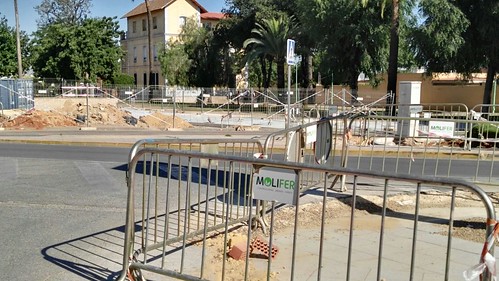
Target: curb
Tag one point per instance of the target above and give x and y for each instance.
(69, 143)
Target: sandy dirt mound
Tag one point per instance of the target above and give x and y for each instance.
(75, 114)
(3, 119)
(37, 119)
(161, 121)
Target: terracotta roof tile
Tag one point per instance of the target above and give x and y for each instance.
(212, 16)
(155, 5)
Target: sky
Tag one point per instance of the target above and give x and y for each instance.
(28, 16)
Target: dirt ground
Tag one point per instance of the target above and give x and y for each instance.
(338, 211)
(74, 114)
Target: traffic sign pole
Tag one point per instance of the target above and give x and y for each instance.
(290, 58)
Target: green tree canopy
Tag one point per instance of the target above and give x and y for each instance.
(63, 11)
(439, 37)
(198, 58)
(350, 38)
(8, 57)
(269, 42)
(80, 51)
(481, 41)
(175, 64)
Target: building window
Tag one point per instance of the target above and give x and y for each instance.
(134, 54)
(155, 52)
(134, 26)
(156, 78)
(145, 79)
(182, 20)
(144, 53)
(154, 23)
(207, 25)
(135, 78)
(144, 25)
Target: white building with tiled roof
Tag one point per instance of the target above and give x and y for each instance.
(168, 17)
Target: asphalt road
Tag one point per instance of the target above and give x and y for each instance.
(63, 208)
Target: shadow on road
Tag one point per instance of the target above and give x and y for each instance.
(97, 256)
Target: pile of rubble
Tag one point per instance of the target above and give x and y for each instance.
(74, 114)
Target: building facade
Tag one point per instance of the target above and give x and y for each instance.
(168, 17)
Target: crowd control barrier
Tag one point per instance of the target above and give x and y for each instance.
(186, 220)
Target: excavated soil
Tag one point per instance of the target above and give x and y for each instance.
(39, 120)
(338, 211)
(73, 114)
(159, 120)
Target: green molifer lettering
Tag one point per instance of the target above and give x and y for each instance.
(276, 183)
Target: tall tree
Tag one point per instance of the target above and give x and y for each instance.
(18, 42)
(269, 40)
(8, 48)
(175, 64)
(481, 42)
(69, 12)
(350, 38)
(77, 52)
(391, 85)
(397, 15)
(243, 16)
(438, 38)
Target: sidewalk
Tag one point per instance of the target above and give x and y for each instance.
(119, 136)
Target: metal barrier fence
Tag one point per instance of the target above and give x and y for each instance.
(455, 148)
(442, 146)
(181, 222)
(237, 147)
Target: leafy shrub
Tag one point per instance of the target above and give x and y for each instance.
(487, 131)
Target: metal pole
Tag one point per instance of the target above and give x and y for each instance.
(250, 92)
(175, 105)
(86, 119)
(18, 43)
(494, 92)
(332, 89)
(343, 97)
(296, 83)
(289, 97)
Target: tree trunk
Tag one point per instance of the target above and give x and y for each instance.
(269, 73)
(149, 46)
(354, 86)
(393, 59)
(487, 92)
(264, 72)
(18, 43)
(280, 74)
(308, 72)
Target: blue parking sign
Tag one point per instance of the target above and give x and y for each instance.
(290, 54)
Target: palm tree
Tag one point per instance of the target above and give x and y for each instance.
(269, 45)
(18, 43)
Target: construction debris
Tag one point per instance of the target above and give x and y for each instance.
(78, 114)
(257, 248)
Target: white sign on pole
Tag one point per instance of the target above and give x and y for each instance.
(310, 134)
(275, 184)
(441, 128)
(297, 59)
(290, 54)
